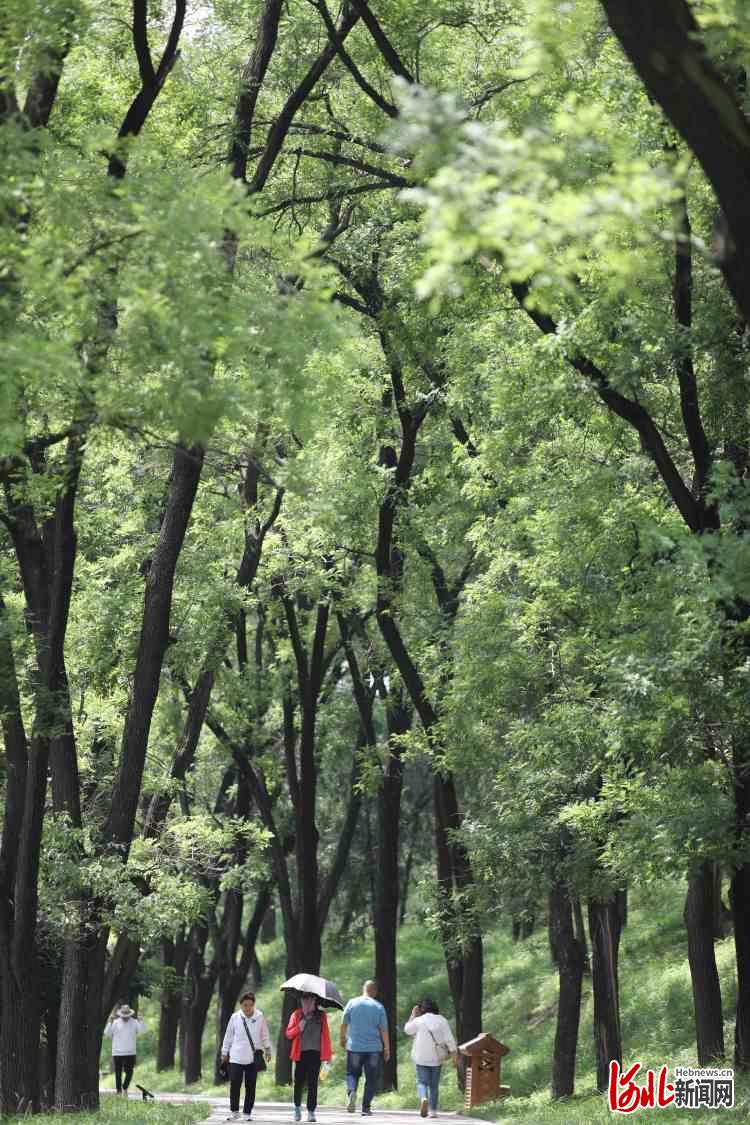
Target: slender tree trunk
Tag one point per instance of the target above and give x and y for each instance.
(199, 988)
(569, 954)
(195, 1014)
(604, 928)
(740, 902)
(699, 915)
(283, 1069)
(387, 881)
(174, 956)
(268, 928)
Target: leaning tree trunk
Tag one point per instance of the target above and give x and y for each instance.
(699, 915)
(569, 954)
(604, 928)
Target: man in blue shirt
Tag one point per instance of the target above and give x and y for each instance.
(364, 1033)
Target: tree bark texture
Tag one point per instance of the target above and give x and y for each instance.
(699, 915)
(569, 954)
(664, 43)
(387, 879)
(173, 958)
(604, 930)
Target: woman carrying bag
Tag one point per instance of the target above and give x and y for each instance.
(433, 1045)
(247, 1049)
(311, 1046)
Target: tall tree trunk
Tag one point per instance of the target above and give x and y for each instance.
(569, 954)
(268, 927)
(283, 1068)
(699, 915)
(81, 1021)
(604, 929)
(462, 926)
(200, 982)
(195, 1014)
(174, 957)
(387, 879)
(740, 903)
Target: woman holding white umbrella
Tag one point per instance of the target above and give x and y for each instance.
(310, 1036)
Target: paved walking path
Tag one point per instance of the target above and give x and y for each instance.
(280, 1113)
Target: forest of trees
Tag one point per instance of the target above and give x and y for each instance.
(375, 520)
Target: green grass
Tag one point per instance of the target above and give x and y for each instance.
(520, 1008)
(117, 1111)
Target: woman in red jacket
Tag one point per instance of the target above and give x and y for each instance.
(311, 1046)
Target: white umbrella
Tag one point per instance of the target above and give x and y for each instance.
(325, 990)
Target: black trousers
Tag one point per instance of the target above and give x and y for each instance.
(306, 1073)
(124, 1063)
(238, 1071)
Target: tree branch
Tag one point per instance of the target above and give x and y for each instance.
(693, 513)
(382, 42)
(664, 43)
(382, 104)
(280, 128)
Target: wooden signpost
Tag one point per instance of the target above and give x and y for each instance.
(483, 1070)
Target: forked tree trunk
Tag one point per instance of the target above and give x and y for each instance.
(604, 929)
(569, 954)
(699, 916)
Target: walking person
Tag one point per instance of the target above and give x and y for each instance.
(311, 1046)
(364, 1033)
(247, 1043)
(433, 1045)
(123, 1027)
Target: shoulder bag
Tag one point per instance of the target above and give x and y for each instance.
(258, 1055)
(442, 1050)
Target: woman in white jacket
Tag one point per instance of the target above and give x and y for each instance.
(246, 1033)
(433, 1044)
(122, 1028)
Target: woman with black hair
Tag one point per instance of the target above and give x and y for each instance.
(433, 1045)
(246, 1038)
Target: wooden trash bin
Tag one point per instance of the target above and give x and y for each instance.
(483, 1069)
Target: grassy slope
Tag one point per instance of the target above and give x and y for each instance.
(520, 995)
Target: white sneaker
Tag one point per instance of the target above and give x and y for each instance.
(233, 1116)
(311, 1115)
(247, 1117)
(433, 1113)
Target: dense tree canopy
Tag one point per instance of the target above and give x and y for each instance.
(374, 446)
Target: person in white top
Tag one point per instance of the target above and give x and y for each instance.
(246, 1033)
(123, 1027)
(433, 1045)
